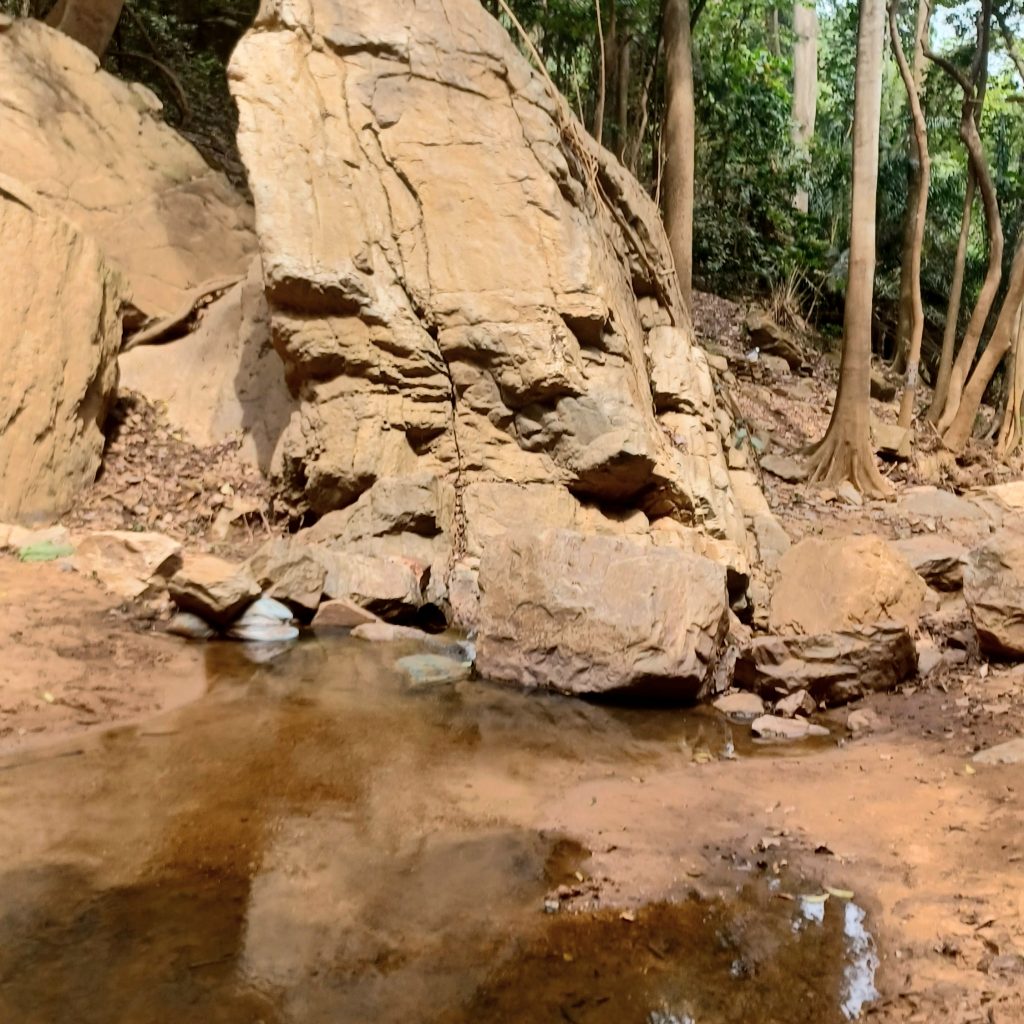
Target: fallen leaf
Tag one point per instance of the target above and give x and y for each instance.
(627, 915)
(840, 894)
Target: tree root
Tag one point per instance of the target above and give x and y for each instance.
(175, 324)
(838, 458)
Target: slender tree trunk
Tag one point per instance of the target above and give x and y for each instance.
(1011, 433)
(919, 213)
(645, 103)
(905, 314)
(772, 30)
(805, 84)
(844, 454)
(973, 89)
(679, 132)
(955, 437)
(598, 129)
(953, 307)
(622, 83)
(89, 22)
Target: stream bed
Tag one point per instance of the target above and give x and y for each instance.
(318, 840)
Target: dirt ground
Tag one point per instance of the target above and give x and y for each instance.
(931, 847)
(71, 661)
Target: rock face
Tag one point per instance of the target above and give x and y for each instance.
(467, 291)
(833, 667)
(994, 589)
(591, 615)
(60, 325)
(228, 380)
(842, 582)
(97, 148)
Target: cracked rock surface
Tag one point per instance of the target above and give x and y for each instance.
(473, 301)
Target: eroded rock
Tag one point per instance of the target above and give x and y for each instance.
(589, 614)
(832, 667)
(291, 573)
(939, 561)
(126, 562)
(97, 149)
(213, 588)
(994, 589)
(453, 298)
(61, 328)
(842, 582)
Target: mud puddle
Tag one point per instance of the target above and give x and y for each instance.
(317, 841)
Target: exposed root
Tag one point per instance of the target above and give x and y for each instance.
(176, 324)
(838, 458)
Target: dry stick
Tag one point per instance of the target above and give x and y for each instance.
(599, 109)
(921, 136)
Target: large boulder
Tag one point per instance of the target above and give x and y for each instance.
(128, 563)
(994, 589)
(60, 323)
(465, 288)
(835, 583)
(97, 148)
(228, 381)
(598, 615)
(832, 667)
(213, 588)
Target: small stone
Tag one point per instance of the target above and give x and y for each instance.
(342, 614)
(929, 658)
(1010, 752)
(784, 467)
(386, 632)
(850, 494)
(264, 621)
(427, 669)
(799, 702)
(771, 727)
(190, 626)
(864, 721)
(744, 706)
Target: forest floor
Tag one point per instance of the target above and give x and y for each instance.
(663, 805)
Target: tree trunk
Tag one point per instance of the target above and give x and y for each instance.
(679, 131)
(908, 275)
(918, 214)
(805, 84)
(622, 97)
(955, 437)
(89, 22)
(953, 307)
(844, 454)
(1011, 433)
(598, 128)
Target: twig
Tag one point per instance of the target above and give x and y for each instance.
(172, 79)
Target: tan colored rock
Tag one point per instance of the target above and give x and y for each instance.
(833, 667)
(743, 706)
(388, 587)
(771, 727)
(17, 537)
(453, 298)
(126, 562)
(228, 380)
(213, 588)
(291, 573)
(61, 329)
(798, 702)
(935, 503)
(938, 560)
(340, 613)
(785, 467)
(864, 721)
(994, 589)
(591, 614)
(842, 582)
(97, 148)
